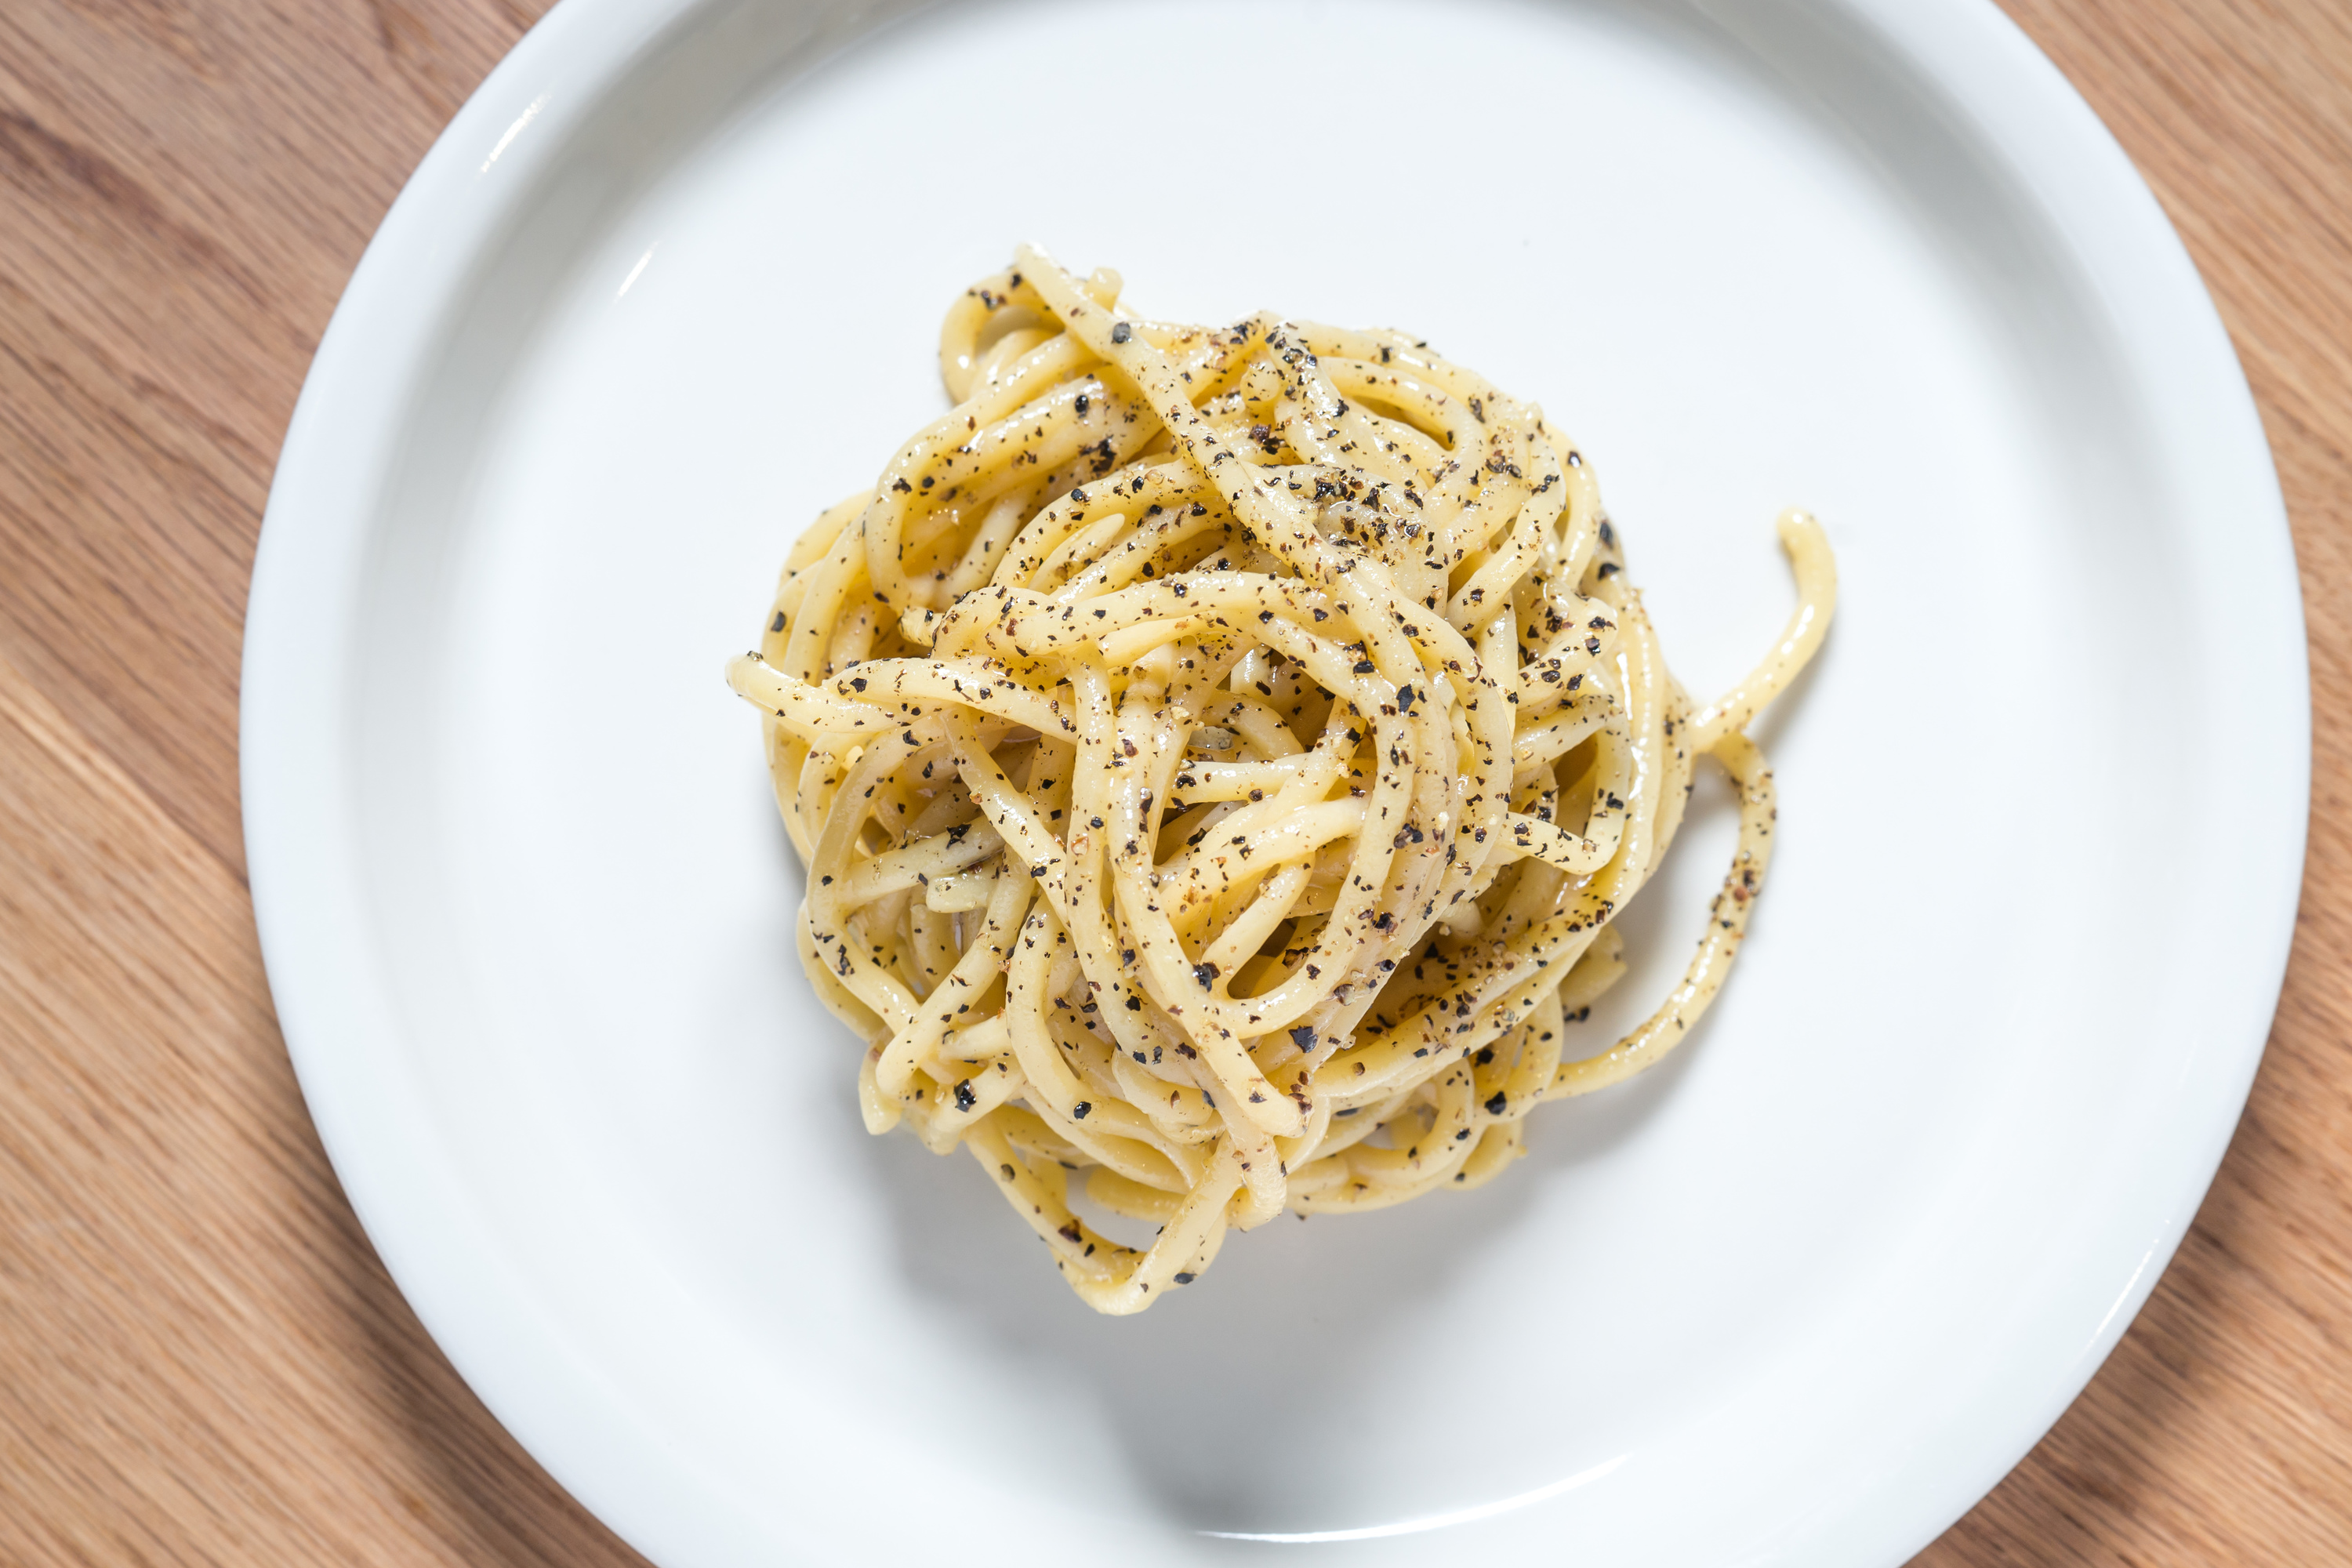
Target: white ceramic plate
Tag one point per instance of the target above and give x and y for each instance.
(669, 283)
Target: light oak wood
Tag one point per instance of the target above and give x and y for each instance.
(201, 1360)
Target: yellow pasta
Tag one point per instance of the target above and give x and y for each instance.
(1219, 754)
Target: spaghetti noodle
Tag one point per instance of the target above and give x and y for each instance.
(1219, 755)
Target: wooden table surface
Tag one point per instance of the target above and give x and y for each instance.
(201, 1359)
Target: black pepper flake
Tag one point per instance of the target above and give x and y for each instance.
(1121, 333)
(1303, 1036)
(1500, 1103)
(1206, 973)
(1186, 1278)
(778, 624)
(1082, 403)
(1078, 1111)
(965, 1100)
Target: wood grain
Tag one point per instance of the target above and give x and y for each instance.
(201, 1360)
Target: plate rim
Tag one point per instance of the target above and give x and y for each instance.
(314, 925)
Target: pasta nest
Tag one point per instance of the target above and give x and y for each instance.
(1219, 754)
